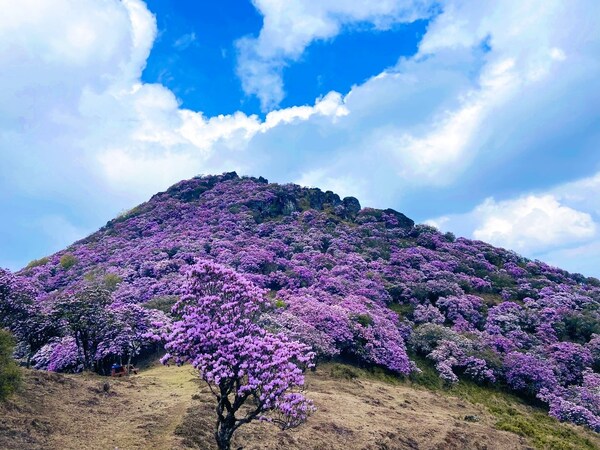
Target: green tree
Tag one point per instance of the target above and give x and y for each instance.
(10, 375)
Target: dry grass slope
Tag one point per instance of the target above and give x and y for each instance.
(165, 408)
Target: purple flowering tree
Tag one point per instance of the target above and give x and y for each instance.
(243, 365)
(26, 317)
(86, 318)
(133, 328)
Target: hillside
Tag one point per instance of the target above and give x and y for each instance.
(363, 285)
(156, 411)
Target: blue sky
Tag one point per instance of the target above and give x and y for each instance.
(482, 118)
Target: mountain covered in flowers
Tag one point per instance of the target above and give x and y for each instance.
(362, 284)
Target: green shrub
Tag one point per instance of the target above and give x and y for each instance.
(579, 326)
(364, 319)
(402, 309)
(37, 262)
(10, 375)
(163, 303)
(450, 237)
(67, 261)
(111, 281)
(280, 303)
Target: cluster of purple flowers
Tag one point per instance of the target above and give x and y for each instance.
(220, 335)
(364, 284)
(74, 330)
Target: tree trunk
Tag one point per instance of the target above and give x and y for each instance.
(225, 429)
(128, 362)
(223, 437)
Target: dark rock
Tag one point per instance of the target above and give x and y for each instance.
(472, 418)
(190, 190)
(400, 220)
(352, 206)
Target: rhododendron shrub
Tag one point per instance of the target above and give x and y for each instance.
(453, 353)
(428, 314)
(529, 373)
(594, 348)
(59, 355)
(244, 365)
(99, 331)
(464, 312)
(351, 325)
(132, 329)
(579, 404)
(569, 361)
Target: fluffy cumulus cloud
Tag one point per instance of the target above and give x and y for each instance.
(560, 226)
(532, 223)
(73, 105)
(492, 84)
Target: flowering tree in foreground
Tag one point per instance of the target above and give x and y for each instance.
(252, 373)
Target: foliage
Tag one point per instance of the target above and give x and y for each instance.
(10, 375)
(86, 318)
(67, 261)
(111, 281)
(37, 262)
(27, 319)
(162, 303)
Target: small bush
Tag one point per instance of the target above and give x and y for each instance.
(111, 281)
(450, 237)
(10, 375)
(67, 261)
(280, 303)
(363, 319)
(579, 326)
(37, 262)
(163, 303)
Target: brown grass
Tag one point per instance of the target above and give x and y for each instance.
(166, 408)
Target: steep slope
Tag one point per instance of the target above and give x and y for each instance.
(363, 284)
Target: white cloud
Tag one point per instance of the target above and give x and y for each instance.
(583, 194)
(59, 230)
(426, 157)
(559, 226)
(533, 223)
(413, 125)
(290, 26)
(343, 185)
(184, 41)
(331, 105)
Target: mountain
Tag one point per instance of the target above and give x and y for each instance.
(361, 284)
